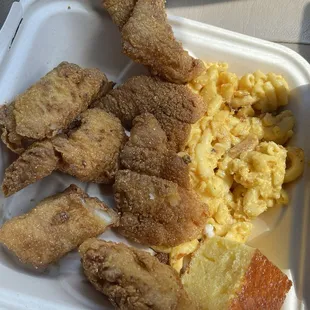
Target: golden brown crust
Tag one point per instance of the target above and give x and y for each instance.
(9, 136)
(37, 162)
(132, 279)
(147, 133)
(157, 212)
(55, 101)
(148, 39)
(174, 106)
(166, 165)
(120, 10)
(264, 286)
(51, 104)
(91, 152)
(146, 152)
(57, 225)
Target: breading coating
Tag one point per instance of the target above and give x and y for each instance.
(91, 153)
(37, 162)
(148, 39)
(132, 279)
(9, 136)
(120, 11)
(174, 106)
(157, 212)
(146, 152)
(51, 104)
(56, 226)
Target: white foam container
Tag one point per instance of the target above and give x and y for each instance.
(81, 32)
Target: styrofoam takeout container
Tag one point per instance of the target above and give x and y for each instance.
(37, 36)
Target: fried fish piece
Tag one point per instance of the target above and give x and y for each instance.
(56, 226)
(37, 162)
(52, 103)
(132, 279)
(146, 152)
(148, 39)
(91, 152)
(9, 136)
(176, 107)
(157, 212)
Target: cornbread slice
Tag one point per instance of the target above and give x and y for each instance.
(224, 274)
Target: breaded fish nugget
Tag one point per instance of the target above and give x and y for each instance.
(37, 162)
(157, 212)
(148, 39)
(51, 104)
(91, 152)
(176, 107)
(56, 226)
(146, 152)
(132, 279)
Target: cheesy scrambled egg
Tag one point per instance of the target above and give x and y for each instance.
(238, 161)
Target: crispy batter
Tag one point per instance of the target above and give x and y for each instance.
(174, 106)
(9, 136)
(157, 212)
(177, 132)
(132, 279)
(146, 152)
(147, 133)
(56, 226)
(51, 104)
(168, 165)
(37, 162)
(148, 39)
(91, 153)
(120, 10)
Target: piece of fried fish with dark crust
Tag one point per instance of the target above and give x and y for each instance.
(148, 39)
(132, 279)
(176, 107)
(157, 212)
(36, 163)
(56, 226)
(146, 152)
(90, 152)
(156, 204)
(51, 104)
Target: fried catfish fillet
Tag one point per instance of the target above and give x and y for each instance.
(51, 104)
(157, 212)
(146, 152)
(56, 226)
(176, 107)
(132, 279)
(91, 153)
(37, 162)
(148, 39)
